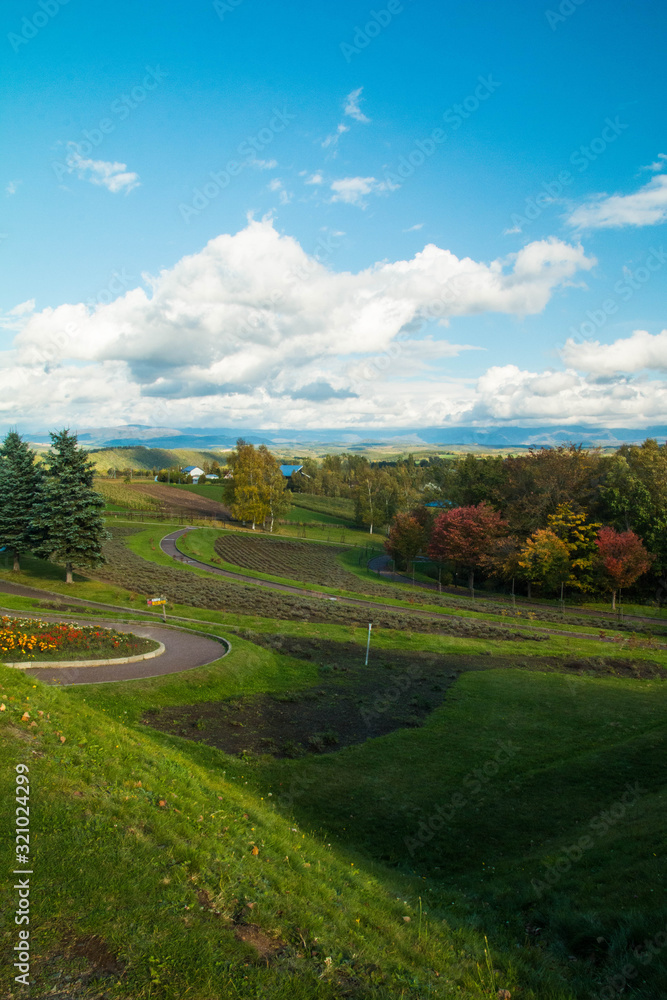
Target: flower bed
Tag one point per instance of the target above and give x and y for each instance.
(32, 639)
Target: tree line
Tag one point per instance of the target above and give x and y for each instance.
(557, 517)
(48, 506)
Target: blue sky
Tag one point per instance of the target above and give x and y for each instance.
(237, 213)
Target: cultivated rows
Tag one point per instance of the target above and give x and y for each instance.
(130, 571)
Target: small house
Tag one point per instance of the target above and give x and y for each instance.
(192, 470)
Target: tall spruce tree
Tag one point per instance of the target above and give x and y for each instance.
(70, 510)
(20, 480)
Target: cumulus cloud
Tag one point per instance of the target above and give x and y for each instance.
(315, 179)
(114, 177)
(506, 393)
(646, 207)
(352, 106)
(640, 351)
(252, 330)
(12, 187)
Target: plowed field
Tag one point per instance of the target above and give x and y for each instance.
(173, 499)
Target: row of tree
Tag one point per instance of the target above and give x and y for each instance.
(569, 552)
(48, 507)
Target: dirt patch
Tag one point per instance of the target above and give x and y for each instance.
(351, 702)
(265, 946)
(83, 969)
(171, 498)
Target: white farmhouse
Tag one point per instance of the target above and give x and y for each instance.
(192, 470)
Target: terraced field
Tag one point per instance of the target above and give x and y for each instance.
(292, 559)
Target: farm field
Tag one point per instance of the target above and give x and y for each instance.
(299, 560)
(125, 496)
(191, 498)
(446, 782)
(336, 507)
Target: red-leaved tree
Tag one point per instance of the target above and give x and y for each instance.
(622, 559)
(466, 535)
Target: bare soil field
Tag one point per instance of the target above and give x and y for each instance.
(173, 499)
(352, 702)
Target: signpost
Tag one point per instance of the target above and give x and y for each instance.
(151, 601)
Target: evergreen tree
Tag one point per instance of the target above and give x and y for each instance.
(70, 510)
(20, 480)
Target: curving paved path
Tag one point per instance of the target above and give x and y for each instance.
(169, 547)
(183, 651)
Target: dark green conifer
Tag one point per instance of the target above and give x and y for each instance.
(70, 510)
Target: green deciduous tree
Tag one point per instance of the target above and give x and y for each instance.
(406, 538)
(257, 490)
(20, 483)
(69, 511)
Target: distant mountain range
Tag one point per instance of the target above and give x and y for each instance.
(361, 438)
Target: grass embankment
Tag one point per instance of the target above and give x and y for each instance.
(454, 825)
(190, 882)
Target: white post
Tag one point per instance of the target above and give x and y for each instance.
(368, 644)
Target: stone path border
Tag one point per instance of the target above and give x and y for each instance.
(151, 654)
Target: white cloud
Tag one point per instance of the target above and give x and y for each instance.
(332, 140)
(315, 179)
(658, 164)
(114, 177)
(352, 106)
(353, 190)
(413, 229)
(263, 164)
(507, 393)
(275, 185)
(646, 207)
(12, 187)
(251, 330)
(641, 350)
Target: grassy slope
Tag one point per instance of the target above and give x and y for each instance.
(157, 879)
(579, 741)
(148, 458)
